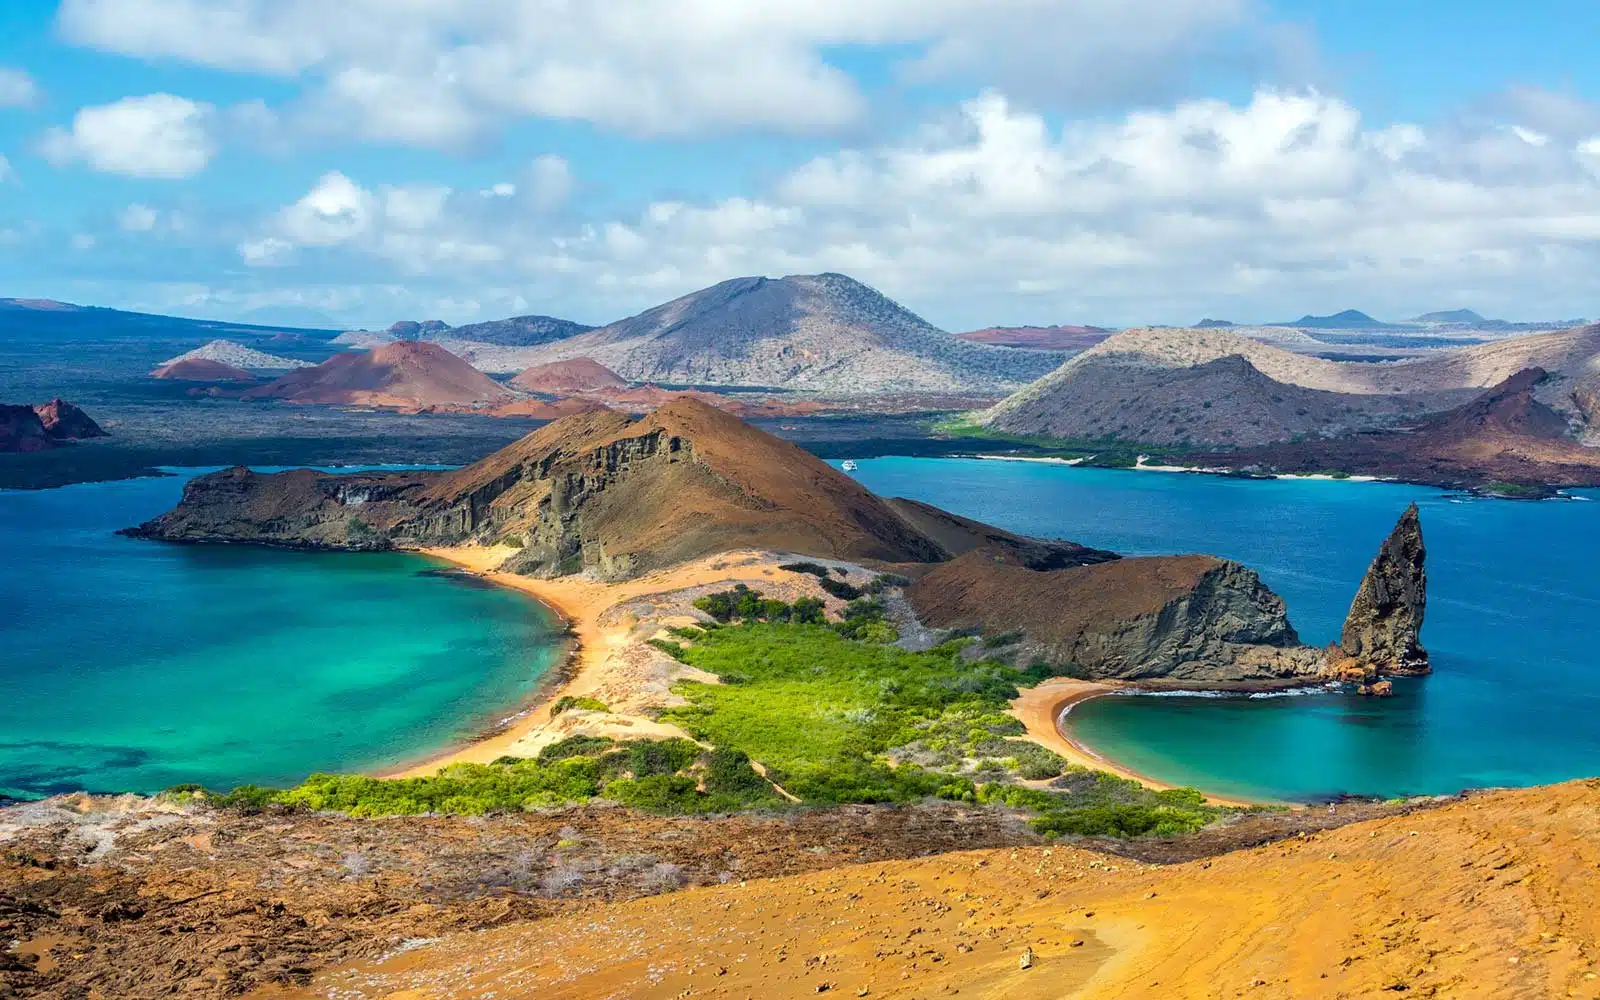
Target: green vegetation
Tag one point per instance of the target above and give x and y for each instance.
(577, 701)
(1513, 491)
(676, 777)
(834, 711)
(839, 720)
(1103, 452)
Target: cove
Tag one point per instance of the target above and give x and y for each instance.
(1513, 625)
(128, 665)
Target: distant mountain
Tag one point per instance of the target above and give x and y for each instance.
(290, 316)
(226, 352)
(410, 329)
(404, 374)
(822, 332)
(1213, 324)
(1224, 401)
(51, 318)
(1350, 319)
(518, 331)
(1047, 338)
(1464, 316)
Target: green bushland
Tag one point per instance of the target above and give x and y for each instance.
(839, 720)
(1516, 491)
(834, 710)
(664, 776)
(578, 701)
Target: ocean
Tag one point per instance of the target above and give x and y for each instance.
(1513, 624)
(129, 665)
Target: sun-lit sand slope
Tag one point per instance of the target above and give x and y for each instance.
(1494, 896)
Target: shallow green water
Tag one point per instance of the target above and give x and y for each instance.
(1513, 624)
(129, 665)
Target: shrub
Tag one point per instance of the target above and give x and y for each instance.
(821, 572)
(840, 589)
(577, 701)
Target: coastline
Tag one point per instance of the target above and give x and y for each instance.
(592, 644)
(1040, 708)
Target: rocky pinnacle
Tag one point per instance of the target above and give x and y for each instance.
(1383, 628)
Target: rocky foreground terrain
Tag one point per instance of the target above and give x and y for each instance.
(1491, 895)
(138, 898)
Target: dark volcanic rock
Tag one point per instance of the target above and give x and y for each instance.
(26, 428)
(1195, 619)
(1385, 622)
(65, 422)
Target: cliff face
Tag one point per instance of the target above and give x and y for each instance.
(26, 428)
(1383, 629)
(1184, 618)
(596, 492)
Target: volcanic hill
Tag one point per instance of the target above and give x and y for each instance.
(25, 428)
(237, 356)
(574, 375)
(822, 332)
(405, 373)
(1505, 435)
(1039, 338)
(202, 370)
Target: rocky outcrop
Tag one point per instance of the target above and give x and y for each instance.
(1382, 633)
(39, 428)
(1195, 619)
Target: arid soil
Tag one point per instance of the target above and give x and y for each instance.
(1047, 338)
(1492, 895)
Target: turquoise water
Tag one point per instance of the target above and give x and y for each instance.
(130, 665)
(1513, 624)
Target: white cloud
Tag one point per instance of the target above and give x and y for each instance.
(137, 218)
(549, 182)
(438, 72)
(505, 189)
(156, 136)
(6, 172)
(17, 89)
(1286, 204)
(83, 241)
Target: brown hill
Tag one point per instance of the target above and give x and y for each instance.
(25, 428)
(572, 375)
(1194, 618)
(1223, 401)
(596, 491)
(1039, 338)
(202, 370)
(401, 374)
(1504, 435)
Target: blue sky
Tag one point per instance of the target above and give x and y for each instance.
(1007, 161)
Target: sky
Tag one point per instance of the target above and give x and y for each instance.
(984, 162)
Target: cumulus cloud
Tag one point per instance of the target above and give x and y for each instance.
(1288, 203)
(438, 71)
(17, 89)
(6, 171)
(157, 136)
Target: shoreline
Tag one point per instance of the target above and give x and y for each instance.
(1042, 707)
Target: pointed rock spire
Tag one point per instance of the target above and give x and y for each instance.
(1384, 626)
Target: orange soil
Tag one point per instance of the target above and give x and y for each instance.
(1490, 896)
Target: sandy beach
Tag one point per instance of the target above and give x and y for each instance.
(600, 660)
(1041, 706)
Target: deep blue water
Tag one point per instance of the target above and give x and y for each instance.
(1513, 624)
(129, 665)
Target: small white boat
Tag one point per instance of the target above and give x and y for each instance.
(848, 465)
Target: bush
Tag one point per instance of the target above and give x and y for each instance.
(840, 589)
(577, 701)
(820, 572)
